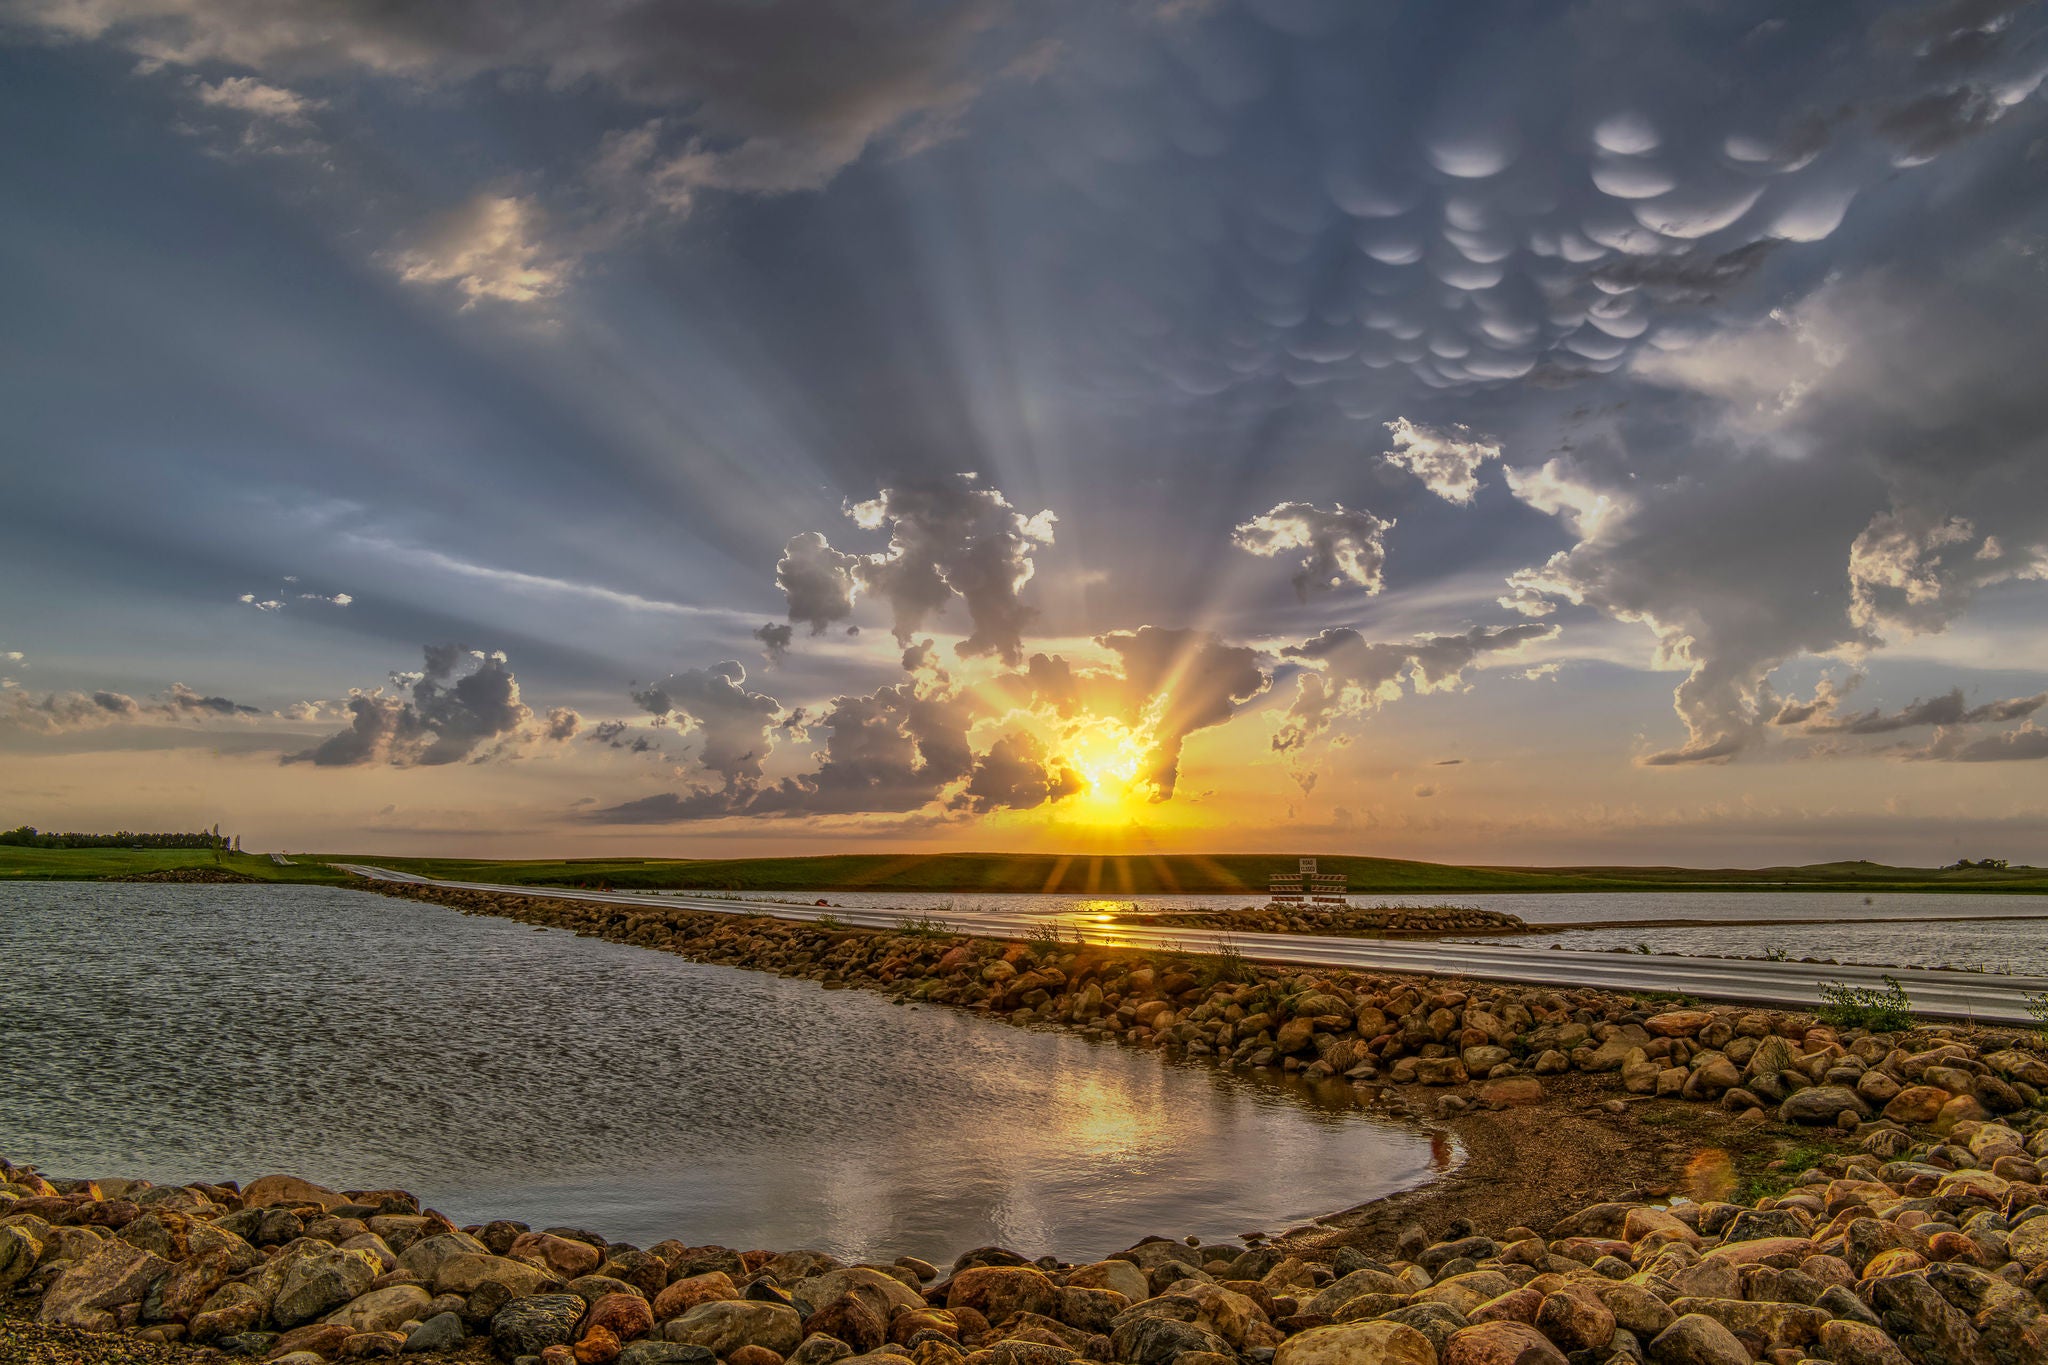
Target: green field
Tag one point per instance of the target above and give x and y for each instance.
(991, 873)
(86, 864)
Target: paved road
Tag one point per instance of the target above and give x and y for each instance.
(1971, 996)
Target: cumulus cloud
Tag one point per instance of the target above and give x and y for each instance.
(2027, 742)
(461, 706)
(490, 246)
(948, 538)
(247, 95)
(1354, 676)
(897, 749)
(58, 712)
(1447, 460)
(1914, 569)
(1341, 545)
(733, 726)
(1168, 683)
(818, 581)
(1946, 709)
(1017, 774)
(775, 640)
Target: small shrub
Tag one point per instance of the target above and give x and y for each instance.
(924, 926)
(1643, 948)
(1885, 1009)
(1777, 955)
(829, 922)
(1227, 964)
(1045, 938)
(2037, 1006)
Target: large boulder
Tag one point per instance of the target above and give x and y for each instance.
(1121, 1276)
(1500, 1343)
(321, 1281)
(381, 1310)
(1357, 1343)
(726, 1325)
(820, 1290)
(1696, 1339)
(114, 1275)
(291, 1191)
(529, 1325)
(20, 1249)
(684, 1294)
(997, 1291)
(424, 1256)
(1822, 1104)
(1160, 1341)
(471, 1271)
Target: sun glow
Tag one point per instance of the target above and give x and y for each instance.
(1109, 757)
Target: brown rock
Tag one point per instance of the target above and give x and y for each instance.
(687, 1293)
(627, 1316)
(998, 1291)
(1677, 1023)
(1501, 1343)
(597, 1346)
(1356, 1343)
(1916, 1104)
(290, 1191)
(1575, 1319)
(756, 1355)
(566, 1258)
(321, 1338)
(1858, 1343)
(113, 1276)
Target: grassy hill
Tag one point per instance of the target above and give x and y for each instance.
(1228, 873)
(90, 864)
(989, 873)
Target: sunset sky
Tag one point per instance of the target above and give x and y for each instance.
(1611, 431)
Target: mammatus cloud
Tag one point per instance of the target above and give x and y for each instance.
(462, 706)
(1447, 461)
(1342, 546)
(955, 537)
(490, 246)
(1353, 676)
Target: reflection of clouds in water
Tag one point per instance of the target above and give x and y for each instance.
(502, 1072)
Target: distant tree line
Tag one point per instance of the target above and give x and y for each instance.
(28, 836)
(1987, 864)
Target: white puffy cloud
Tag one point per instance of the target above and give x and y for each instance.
(1342, 545)
(949, 538)
(248, 95)
(1353, 675)
(1447, 461)
(490, 246)
(1558, 489)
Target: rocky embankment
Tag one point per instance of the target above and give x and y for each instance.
(1476, 1042)
(1369, 921)
(1938, 1258)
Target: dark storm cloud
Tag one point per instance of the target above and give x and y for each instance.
(462, 706)
(1016, 774)
(775, 640)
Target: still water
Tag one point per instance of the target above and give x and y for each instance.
(185, 1032)
(1537, 907)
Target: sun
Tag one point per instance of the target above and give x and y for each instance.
(1109, 757)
